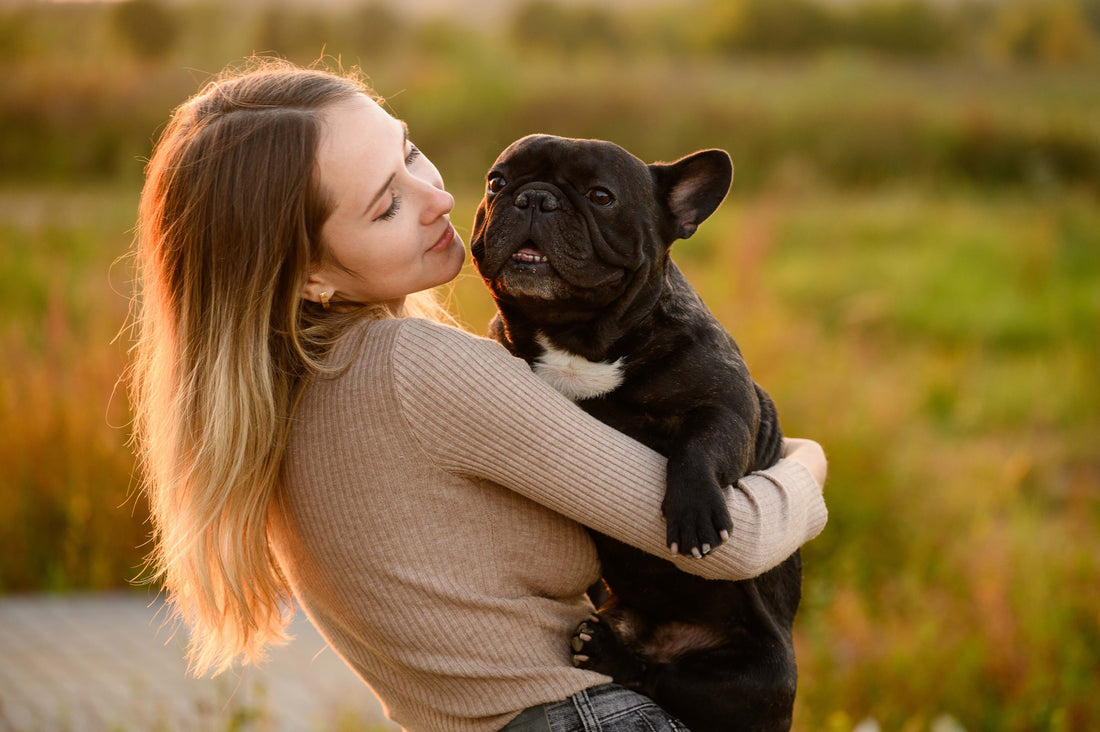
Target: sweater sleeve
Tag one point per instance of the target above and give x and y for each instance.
(478, 411)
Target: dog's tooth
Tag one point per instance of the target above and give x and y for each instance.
(529, 258)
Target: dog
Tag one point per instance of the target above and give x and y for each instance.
(572, 238)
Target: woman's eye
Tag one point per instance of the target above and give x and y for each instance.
(414, 153)
(389, 213)
(496, 183)
(600, 197)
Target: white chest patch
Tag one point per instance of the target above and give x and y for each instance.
(575, 376)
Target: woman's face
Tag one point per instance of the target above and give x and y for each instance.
(389, 233)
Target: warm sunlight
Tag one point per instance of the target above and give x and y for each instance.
(908, 258)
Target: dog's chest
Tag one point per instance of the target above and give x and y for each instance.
(575, 376)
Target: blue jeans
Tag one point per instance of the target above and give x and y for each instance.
(606, 708)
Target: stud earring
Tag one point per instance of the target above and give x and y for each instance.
(324, 300)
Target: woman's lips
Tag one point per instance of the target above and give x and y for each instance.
(445, 240)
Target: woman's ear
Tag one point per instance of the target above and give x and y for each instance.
(316, 286)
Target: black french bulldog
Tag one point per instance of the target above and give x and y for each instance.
(573, 240)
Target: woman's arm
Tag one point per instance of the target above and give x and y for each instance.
(478, 411)
(810, 455)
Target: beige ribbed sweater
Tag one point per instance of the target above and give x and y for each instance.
(431, 522)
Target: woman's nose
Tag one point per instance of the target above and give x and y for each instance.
(439, 203)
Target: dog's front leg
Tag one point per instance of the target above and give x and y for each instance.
(713, 449)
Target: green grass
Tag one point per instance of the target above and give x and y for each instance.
(909, 259)
(939, 347)
(66, 473)
(945, 351)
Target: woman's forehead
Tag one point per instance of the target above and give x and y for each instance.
(359, 115)
(357, 132)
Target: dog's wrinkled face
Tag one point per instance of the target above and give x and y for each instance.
(582, 222)
(565, 220)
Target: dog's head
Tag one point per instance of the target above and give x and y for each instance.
(583, 223)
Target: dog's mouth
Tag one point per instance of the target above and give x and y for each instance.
(528, 273)
(529, 256)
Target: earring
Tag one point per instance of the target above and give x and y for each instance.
(324, 300)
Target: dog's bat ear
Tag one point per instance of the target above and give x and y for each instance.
(691, 188)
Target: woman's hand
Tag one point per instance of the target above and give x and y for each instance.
(809, 454)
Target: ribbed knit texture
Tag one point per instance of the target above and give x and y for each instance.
(431, 522)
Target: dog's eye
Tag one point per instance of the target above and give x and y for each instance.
(600, 197)
(496, 183)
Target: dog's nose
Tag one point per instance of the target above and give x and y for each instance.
(545, 200)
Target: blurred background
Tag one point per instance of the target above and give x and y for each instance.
(909, 258)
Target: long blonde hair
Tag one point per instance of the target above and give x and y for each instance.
(228, 227)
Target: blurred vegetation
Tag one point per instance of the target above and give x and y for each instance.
(865, 93)
(910, 259)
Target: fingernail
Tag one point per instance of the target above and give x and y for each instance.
(576, 643)
(674, 548)
(724, 534)
(585, 637)
(706, 548)
(695, 552)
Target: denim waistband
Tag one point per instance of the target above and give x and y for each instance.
(604, 708)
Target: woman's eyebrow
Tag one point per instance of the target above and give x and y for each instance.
(389, 181)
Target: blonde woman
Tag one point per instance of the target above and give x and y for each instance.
(311, 427)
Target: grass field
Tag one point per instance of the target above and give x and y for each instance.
(909, 259)
(942, 348)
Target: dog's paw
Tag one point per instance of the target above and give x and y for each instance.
(695, 528)
(596, 647)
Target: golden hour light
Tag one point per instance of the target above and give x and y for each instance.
(262, 373)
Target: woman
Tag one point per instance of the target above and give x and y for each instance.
(310, 426)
